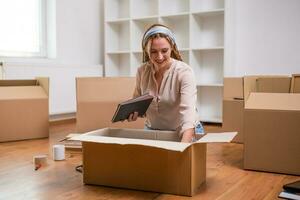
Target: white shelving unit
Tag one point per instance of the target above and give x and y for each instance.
(198, 26)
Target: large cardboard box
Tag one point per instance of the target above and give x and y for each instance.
(24, 110)
(145, 160)
(97, 99)
(233, 118)
(233, 106)
(271, 132)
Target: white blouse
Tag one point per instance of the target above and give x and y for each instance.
(174, 105)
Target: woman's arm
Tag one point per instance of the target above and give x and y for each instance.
(187, 106)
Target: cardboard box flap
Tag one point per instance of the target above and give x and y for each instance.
(251, 84)
(273, 101)
(148, 138)
(101, 136)
(18, 82)
(22, 92)
(273, 84)
(44, 83)
(107, 89)
(295, 85)
(217, 137)
(233, 88)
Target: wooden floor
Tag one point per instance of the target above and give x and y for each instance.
(58, 180)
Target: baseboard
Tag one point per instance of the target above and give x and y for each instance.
(62, 118)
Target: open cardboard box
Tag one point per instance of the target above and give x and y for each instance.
(97, 99)
(233, 107)
(237, 91)
(146, 159)
(24, 109)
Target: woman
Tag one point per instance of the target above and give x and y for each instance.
(170, 81)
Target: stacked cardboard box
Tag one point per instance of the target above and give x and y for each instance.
(24, 110)
(146, 160)
(97, 99)
(233, 107)
(270, 124)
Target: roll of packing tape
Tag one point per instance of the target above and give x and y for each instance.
(58, 152)
(39, 161)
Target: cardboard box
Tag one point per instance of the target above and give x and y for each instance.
(233, 118)
(271, 133)
(264, 83)
(295, 85)
(273, 84)
(145, 160)
(233, 106)
(97, 99)
(233, 88)
(24, 109)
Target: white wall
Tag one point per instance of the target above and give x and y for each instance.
(263, 37)
(79, 52)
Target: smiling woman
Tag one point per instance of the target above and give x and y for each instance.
(22, 30)
(172, 83)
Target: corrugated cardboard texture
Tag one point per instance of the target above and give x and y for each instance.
(139, 159)
(271, 101)
(295, 87)
(22, 92)
(108, 89)
(23, 119)
(233, 88)
(24, 110)
(272, 141)
(18, 82)
(144, 168)
(271, 133)
(233, 118)
(251, 84)
(273, 85)
(97, 100)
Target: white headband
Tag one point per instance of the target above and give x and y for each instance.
(158, 29)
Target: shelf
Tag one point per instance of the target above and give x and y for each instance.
(180, 27)
(117, 65)
(117, 52)
(209, 104)
(202, 5)
(208, 31)
(208, 66)
(144, 8)
(118, 36)
(167, 7)
(198, 26)
(136, 62)
(116, 9)
(208, 48)
(138, 29)
(176, 15)
(208, 13)
(118, 21)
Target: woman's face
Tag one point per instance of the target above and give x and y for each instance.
(160, 52)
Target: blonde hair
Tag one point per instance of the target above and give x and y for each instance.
(146, 43)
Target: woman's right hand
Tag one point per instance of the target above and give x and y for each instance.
(133, 117)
